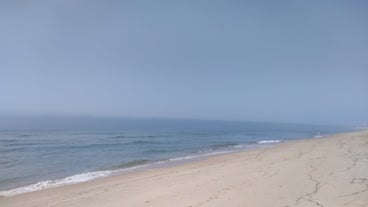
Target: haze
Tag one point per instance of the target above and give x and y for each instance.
(279, 61)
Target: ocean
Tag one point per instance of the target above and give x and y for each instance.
(36, 159)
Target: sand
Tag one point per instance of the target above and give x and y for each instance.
(330, 171)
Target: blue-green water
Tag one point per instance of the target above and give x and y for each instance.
(39, 159)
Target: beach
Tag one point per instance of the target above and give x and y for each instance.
(327, 171)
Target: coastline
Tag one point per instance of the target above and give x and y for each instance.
(329, 170)
(136, 166)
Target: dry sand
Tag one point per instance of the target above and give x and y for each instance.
(331, 171)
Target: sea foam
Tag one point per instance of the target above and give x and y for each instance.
(269, 141)
(83, 177)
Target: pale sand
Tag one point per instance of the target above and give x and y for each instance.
(330, 171)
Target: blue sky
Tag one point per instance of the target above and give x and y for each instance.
(284, 61)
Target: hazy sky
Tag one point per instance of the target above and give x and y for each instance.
(288, 61)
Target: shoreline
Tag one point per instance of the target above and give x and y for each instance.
(261, 162)
(169, 162)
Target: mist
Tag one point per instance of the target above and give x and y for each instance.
(285, 61)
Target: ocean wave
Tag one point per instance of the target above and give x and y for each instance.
(27, 135)
(131, 164)
(269, 141)
(83, 177)
(189, 157)
(8, 140)
(7, 150)
(133, 136)
(223, 145)
(120, 137)
(244, 146)
(144, 142)
(155, 151)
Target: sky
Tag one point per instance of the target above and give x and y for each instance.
(282, 61)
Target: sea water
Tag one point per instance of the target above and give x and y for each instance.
(36, 159)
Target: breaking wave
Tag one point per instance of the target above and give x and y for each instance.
(269, 141)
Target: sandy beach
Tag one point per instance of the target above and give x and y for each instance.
(328, 171)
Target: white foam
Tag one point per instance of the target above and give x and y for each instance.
(241, 146)
(182, 158)
(269, 141)
(217, 153)
(199, 155)
(55, 183)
